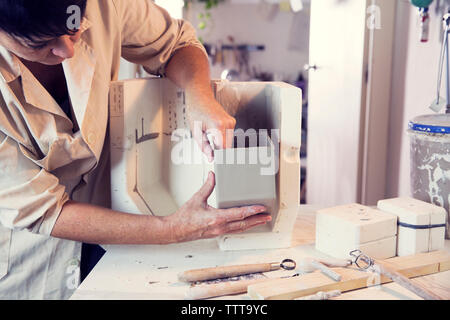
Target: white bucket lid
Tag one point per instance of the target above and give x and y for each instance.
(432, 123)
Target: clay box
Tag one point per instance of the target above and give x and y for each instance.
(156, 166)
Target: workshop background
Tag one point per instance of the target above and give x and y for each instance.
(367, 69)
(269, 40)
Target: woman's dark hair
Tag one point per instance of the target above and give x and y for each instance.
(35, 19)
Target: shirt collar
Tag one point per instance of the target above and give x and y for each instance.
(10, 64)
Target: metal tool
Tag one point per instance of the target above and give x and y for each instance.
(364, 262)
(440, 102)
(233, 271)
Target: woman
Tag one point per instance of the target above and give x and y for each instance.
(54, 148)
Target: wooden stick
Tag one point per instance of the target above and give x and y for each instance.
(227, 288)
(321, 295)
(325, 270)
(226, 271)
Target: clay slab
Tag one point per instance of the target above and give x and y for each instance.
(243, 176)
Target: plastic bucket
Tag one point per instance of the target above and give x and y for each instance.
(430, 160)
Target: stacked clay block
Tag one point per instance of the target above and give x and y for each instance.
(342, 229)
(421, 225)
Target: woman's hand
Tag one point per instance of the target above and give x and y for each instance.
(197, 220)
(208, 118)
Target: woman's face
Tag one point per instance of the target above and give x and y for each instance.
(51, 51)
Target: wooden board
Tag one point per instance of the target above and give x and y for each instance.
(436, 283)
(410, 266)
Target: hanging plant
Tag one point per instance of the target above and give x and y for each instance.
(208, 3)
(204, 18)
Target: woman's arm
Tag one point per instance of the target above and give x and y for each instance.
(93, 224)
(189, 69)
(194, 220)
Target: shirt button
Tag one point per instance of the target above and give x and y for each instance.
(91, 138)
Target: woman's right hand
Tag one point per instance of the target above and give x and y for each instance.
(197, 220)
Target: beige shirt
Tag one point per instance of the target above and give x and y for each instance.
(43, 163)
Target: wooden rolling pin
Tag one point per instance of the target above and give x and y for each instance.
(226, 271)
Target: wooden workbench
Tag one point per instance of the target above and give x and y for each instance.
(150, 272)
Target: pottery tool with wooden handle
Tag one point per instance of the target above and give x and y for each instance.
(417, 265)
(226, 288)
(233, 271)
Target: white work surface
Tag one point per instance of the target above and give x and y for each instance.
(150, 271)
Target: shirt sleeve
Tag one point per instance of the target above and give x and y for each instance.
(30, 197)
(150, 36)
